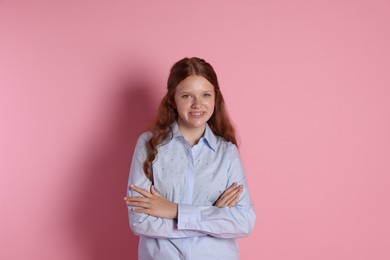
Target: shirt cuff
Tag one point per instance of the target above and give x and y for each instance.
(187, 217)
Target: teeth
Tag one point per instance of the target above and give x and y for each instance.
(197, 114)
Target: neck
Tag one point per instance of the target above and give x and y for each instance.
(192, 135)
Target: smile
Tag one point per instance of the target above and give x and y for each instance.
(197, 113)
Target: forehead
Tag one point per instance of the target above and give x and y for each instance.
(194, 83)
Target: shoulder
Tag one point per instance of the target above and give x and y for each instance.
(225, 146)
(144, 138)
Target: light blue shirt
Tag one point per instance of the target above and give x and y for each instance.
(193, 177)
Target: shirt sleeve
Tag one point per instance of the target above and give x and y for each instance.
(226, 222)
(143, 224)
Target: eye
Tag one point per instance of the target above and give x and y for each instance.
(186, 96)
(207, 95)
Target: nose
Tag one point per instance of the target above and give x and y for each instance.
(195, 103)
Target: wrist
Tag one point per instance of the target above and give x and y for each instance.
(176, 210)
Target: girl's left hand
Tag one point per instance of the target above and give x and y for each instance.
(152, 203)
(230, 196)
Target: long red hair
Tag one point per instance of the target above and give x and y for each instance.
(167, 114)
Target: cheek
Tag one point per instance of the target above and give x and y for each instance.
(210, 104)
(181, 106)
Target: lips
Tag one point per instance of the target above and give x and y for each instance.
(197, 114)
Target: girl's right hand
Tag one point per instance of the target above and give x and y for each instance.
(230, 196)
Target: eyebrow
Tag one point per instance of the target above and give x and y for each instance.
(188, 92)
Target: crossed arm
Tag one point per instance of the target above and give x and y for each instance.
(150, 214)
(152, 203)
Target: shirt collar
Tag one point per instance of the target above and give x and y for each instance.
(208, 137)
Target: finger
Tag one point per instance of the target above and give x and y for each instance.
(231, 187)
(141, 210)
(228, 195)
(230, 198)
(141, 191)
(153, 191)
(238, 191)
(148, 211)
(228, 190)
(138, 202)
(137, 198)
(233, 202)
(231, 191)
(231, 195)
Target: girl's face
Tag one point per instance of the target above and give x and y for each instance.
(194, 99)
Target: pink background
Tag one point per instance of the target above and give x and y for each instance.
(306, 82)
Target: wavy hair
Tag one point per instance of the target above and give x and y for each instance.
(161, 128)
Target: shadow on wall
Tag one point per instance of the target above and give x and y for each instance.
(101, 221)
